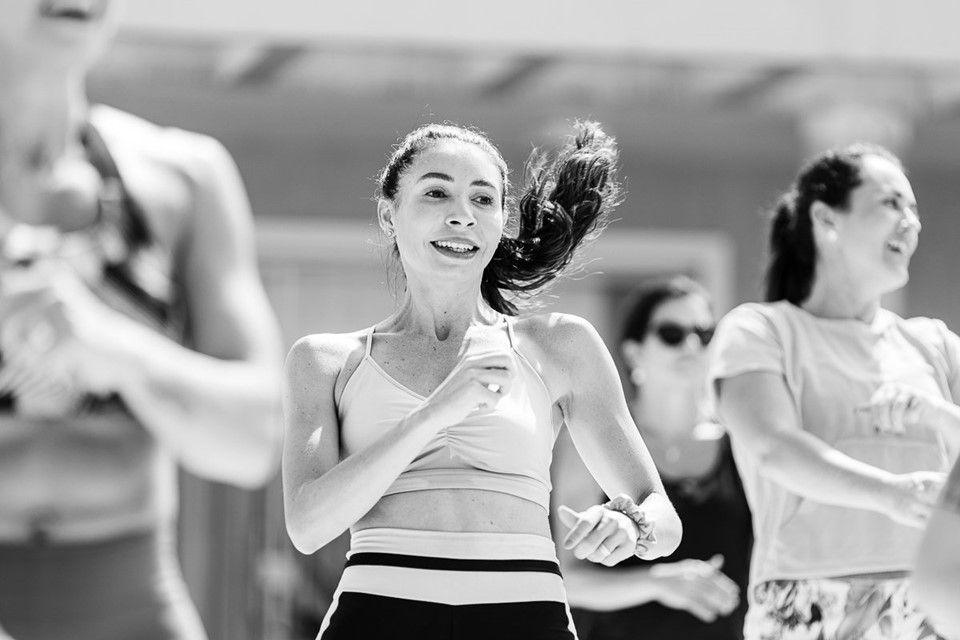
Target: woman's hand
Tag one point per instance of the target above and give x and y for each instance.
(698, 587)
(599, 534)
(894, 407)
(55, 333)
(913, 497)
(478, 381)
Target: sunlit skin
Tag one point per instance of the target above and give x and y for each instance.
(864, 252)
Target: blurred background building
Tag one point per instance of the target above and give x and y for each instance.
(715, 105)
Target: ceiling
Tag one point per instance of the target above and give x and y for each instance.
(748, 86)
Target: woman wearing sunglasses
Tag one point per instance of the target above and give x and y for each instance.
(842, 414)
(695, 592)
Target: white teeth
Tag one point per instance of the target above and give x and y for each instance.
(454, 246)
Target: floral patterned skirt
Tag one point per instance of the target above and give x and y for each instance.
(836, 609)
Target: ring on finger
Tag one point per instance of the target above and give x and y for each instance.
(604, 549)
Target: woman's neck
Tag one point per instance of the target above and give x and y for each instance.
(41, 115)
(442, 311)
(839, 298)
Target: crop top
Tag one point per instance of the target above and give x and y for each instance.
(507, 448)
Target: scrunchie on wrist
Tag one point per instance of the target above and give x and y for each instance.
(625, 505)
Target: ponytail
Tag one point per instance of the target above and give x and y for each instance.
(792, 265)
(566, 202)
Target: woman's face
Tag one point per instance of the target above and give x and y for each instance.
(675, 344)
(448, 213)
(878, 235)
(61, 32)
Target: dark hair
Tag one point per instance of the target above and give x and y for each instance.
(566, 199)
(828, 178)
(644, 301)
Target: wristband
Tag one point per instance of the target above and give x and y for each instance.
(625, 505)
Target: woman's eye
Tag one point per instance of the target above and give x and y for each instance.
(436, 193)
(484, 200)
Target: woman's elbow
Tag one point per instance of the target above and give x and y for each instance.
(304, 537)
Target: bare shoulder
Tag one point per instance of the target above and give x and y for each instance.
(324, 360)
(174, 175)
(187, 152)
(320, 355)
(560, 337)
(561, 346)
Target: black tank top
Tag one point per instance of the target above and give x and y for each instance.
(716, 519)
(116, 256)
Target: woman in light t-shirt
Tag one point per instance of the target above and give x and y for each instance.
(842, 414)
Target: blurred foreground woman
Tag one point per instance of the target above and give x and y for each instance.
(120, 243)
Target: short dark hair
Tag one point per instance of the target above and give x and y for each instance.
(647, 297)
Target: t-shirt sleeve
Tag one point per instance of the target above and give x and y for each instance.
(745, 341)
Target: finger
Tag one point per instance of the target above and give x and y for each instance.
(700, 609)
(567, 515)
(599, 543)
(598, 555)
(498, 359)
(898, 407)
(581, 529)
(716, 561)
(882, 417)
(911, 414)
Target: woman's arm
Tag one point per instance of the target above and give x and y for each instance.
(596, 415)
(324, 495)
(758, 411)
(691, 585)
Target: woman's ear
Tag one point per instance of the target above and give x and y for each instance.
(385, 213)
(631, 350)
(825, 221)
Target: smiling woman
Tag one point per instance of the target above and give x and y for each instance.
(842, 415)
(439, 421)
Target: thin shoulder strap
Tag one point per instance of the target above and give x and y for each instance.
(370, 340)
(510, 336)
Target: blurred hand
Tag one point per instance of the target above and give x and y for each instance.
(478, 381)
(55, 334)
(698, 587)
(914, 496)
(599, 534)
(894, 407)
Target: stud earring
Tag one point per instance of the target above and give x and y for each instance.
(388, 233)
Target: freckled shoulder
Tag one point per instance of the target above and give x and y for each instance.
(326, 358)
(559, 345)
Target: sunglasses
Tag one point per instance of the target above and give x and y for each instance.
(674, 335)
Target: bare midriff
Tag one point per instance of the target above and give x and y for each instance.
(85, 479)
(473, 510)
